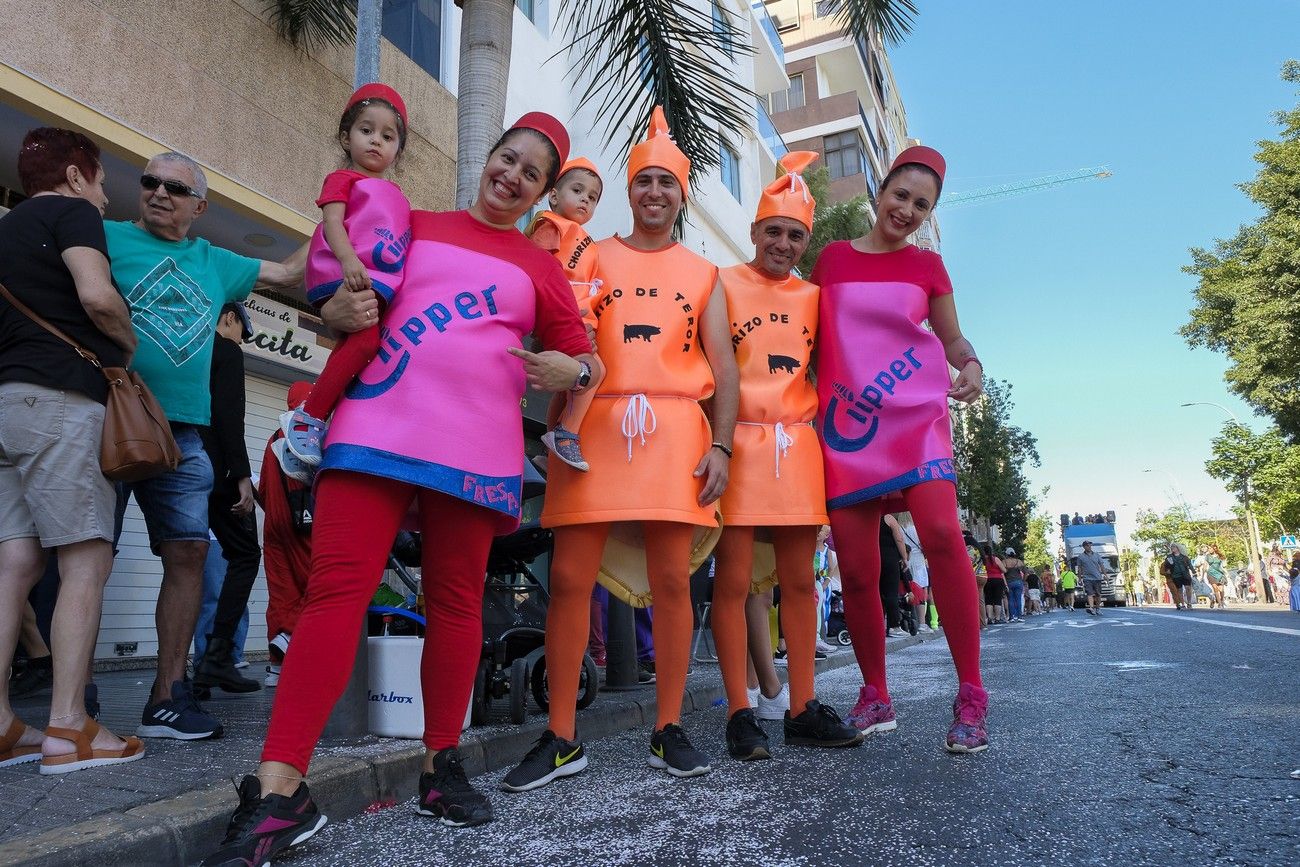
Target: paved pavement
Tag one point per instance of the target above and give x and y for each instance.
(1137, 738)
(171, 807)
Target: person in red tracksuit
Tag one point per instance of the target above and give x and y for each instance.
(286, 549)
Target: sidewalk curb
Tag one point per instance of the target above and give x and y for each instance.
(185, 828)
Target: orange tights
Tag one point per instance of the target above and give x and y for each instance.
(731, 584)
(578, 551)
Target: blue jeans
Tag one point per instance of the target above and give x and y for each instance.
(1016, 598)
(174, 504)
(214, 574)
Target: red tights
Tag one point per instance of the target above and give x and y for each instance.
(357, 517)
(349, 357)
(952, 579)
(731, 584)
(578, 551)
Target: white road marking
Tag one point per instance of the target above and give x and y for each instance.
(1278, 629)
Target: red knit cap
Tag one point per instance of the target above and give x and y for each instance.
(928, 157)
(375, 90)
(540, 121)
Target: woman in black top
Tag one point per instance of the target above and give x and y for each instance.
(54, 260)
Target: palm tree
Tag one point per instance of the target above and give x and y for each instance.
(632, 54)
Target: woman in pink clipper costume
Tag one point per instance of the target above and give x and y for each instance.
(434, 419)
(883, 384)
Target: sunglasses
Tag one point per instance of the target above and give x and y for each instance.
(173, 188)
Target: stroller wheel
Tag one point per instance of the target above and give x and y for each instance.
(588, 683)
(481, 701)
(843, 638)
(518, 690)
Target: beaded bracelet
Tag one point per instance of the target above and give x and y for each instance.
(968, 359)
(720, 447)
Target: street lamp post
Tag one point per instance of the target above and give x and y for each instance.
(1252, 528)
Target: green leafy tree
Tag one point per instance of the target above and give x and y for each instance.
(991, 455)
(832, 221)
(1157, 530)
(1129, 561)
(1267, 465)
(1037, 550)
(1249, 285)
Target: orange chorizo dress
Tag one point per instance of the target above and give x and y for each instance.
(575, 250)
(776, 469)
(645, 432)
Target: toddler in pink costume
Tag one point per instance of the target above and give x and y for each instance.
(361, 244)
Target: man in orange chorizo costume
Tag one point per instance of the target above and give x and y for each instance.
(654, 457)
(776, 482)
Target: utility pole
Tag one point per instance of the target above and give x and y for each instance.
(369, 26)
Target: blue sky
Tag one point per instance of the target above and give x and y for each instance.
(1075, 294)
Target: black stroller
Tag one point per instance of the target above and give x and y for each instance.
(837, 629)
(513, 662)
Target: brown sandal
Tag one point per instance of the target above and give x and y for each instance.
(86, 756)
(10, 752)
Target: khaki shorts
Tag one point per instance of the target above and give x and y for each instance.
(51, 487)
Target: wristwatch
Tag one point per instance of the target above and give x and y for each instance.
(584, 377)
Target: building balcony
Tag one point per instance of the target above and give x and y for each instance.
(769, 53)
(768, 132)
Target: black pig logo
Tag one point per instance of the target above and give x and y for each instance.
(781, 362)
(632, 332)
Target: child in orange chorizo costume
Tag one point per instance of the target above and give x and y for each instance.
(643, 437)
(561, 233)
(776, 472)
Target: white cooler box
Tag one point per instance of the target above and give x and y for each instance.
(396, 708)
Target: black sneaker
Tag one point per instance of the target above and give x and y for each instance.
(818, 656)
(820, 726)
(264, 827)
(181, 717)
(670, 751)
(745, 740)
(37, 675)
(645, 671)
(550, 758)
(778, 658)
(447, 795)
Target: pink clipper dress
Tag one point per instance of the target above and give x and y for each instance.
(439, 406)
(378, 222)
(882, 377)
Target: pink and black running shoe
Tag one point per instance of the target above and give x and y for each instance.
(263, 827)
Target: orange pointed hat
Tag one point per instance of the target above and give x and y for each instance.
(788, 195)
(659, 151)
(579, 163)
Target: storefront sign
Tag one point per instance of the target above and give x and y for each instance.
(280, 335)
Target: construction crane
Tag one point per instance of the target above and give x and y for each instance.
(1016, 188)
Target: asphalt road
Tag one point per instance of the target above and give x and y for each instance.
(1136, 738)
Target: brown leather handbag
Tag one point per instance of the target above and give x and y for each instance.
(137, 442)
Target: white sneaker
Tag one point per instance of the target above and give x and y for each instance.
(754, 695)
(826, 648)
(281, 641)
(242, 664)
(272, 676)
(773, 708)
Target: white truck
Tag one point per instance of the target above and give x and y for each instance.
(1104, 542)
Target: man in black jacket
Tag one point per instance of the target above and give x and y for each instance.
(230, 506)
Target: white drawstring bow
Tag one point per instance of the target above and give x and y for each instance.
(638, 420)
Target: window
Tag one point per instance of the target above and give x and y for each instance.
(730, 169)
(844, 154)
(788, 16)
(415, 27)
(528, 7)
(793, 97)
(722, 27)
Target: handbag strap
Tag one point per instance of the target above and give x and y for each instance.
(31, 314)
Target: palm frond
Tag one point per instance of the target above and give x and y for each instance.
(892, 19)
(311, 24)
(641, 53)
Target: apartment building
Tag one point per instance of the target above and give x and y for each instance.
(842, 101)
(213, 80)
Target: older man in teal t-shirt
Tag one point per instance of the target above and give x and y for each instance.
(175, 286)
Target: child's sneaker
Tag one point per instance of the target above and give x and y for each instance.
(967, 733)
(305, 435)
(564, 443)
(870, 714)
(289, 463)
